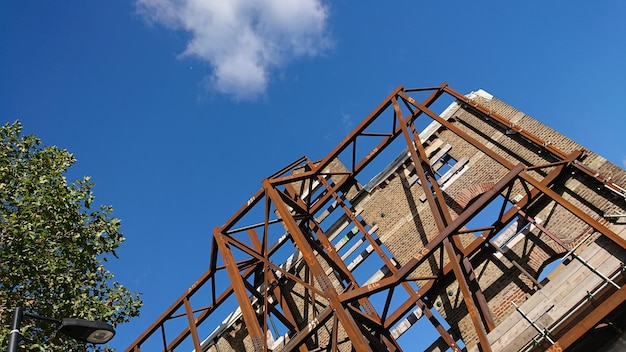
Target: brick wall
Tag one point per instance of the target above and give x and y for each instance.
(406, 224)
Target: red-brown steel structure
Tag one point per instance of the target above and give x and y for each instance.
(297, 199)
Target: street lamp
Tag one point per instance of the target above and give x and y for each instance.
(95, 332)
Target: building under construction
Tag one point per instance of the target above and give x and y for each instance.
(450, 219)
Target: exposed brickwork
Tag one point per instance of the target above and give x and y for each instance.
(406, 224)
(472, 192)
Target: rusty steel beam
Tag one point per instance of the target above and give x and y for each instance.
(249, 315)
(577, 212)
(468, 297)
(271, 283)
(478, 294)
(392, 268)
(192, 324)
(480, 240)
(436, 241)
(442, 218)
(286, 308)
(359, 342)
(336, 261)
(427, 179)
(309, 329)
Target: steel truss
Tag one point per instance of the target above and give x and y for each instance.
(334, 308)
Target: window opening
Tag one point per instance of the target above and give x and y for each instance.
(443, 165)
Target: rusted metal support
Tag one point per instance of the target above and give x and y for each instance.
(359, 342)
(192, 325)
(576, 211)
(335, 260)
(351, 139)
(478, 294)
(436, 241)
(414, 297)
(334, 335)
(286, 308)
(309, 329)
(271, 284)
(427, 180)
(249, 315)
(468, 297)
(440, 210)
(442, 217)
(480, 240)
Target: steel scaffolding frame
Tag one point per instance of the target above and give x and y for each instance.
(299, 197)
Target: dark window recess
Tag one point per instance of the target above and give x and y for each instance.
(443, 165)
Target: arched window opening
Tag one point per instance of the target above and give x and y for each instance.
(548, 268)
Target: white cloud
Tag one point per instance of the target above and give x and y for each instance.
(624, 162)
(244, 40)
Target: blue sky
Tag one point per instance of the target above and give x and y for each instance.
(178, 109)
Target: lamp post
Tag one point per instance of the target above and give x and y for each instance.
(95, 332)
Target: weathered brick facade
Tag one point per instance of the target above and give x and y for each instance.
(407, 224)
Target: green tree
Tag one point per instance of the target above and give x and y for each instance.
(53, 245)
